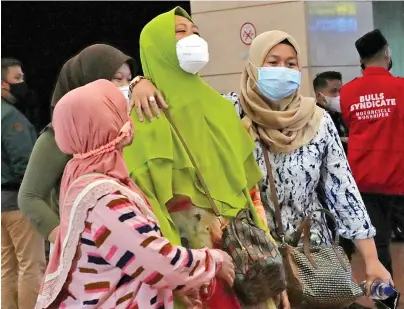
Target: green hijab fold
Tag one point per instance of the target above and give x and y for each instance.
(209, 124)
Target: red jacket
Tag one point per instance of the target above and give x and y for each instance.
(373, 108)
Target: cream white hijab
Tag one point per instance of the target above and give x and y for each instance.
(286, 125)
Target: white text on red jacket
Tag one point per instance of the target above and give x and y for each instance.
(373, 106)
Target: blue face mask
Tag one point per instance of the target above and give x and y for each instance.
(277, 83)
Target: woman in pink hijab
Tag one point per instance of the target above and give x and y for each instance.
(109, 252)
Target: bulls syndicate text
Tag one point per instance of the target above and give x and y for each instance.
(373, 106)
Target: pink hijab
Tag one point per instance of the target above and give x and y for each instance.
(89, 123)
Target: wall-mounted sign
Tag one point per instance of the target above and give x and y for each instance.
(339, 24)
(336, 17)
(247, 33)
(332, 9)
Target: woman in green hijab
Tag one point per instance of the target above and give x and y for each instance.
(172, 53)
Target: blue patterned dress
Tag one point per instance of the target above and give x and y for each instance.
(314, 172)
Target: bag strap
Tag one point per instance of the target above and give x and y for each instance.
(278, 218)
(193, 162)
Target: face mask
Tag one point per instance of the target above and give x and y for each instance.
(333, 103)
(19, 91)
(277, 83)
(125, 92)
(363, 67)
(192, 53)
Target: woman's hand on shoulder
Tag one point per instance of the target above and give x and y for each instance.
(146, 99)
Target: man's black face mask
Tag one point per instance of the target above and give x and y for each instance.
(19, 91)
(390, 64)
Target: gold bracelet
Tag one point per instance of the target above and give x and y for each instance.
(135, 81)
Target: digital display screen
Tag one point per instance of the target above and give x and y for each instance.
(332, 16)
(334, 26)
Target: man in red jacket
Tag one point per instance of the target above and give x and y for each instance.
(373, 108)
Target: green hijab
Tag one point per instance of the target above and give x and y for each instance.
(209, 124)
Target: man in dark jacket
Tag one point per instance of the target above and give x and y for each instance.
(327, 86)
(16, 91)
(22, 248)
(373, 108)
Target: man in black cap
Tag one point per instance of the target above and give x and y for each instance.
(373, 109)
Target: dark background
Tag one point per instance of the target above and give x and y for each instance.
(44, 35)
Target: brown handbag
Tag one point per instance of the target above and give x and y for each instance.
(259, 273)
(317, 276)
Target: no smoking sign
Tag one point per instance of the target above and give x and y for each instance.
(247, 33)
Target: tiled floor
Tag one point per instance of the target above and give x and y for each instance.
(398, 269)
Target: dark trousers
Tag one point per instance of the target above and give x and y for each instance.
(348, 246)
(380, 209)
(398, 222)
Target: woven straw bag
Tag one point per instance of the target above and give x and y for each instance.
(317, 276)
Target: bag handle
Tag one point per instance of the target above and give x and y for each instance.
(305, 227)
(278, 218)
(307, 223)
(193, 162)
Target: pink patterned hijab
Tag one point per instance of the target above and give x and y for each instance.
(89, 123)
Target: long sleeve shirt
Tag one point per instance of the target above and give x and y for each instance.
(39, 193)
(17, 140)
(124, 261)
(319, 169)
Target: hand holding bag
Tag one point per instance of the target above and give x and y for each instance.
(317, 276)
(259, 274)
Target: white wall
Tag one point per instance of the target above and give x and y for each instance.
(220, 22)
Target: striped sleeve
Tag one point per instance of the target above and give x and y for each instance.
(126, 238)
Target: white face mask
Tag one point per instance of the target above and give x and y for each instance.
(333, 103)
(125, 92)
(192, 53)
